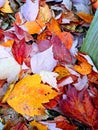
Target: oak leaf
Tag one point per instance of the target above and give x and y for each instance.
(32, 96)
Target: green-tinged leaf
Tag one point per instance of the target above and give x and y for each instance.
(90, 44)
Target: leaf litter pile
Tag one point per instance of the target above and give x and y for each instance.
(48, 65)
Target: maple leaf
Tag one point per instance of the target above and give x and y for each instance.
(79, 106)
(21, 51)
(31, 90)
(61, 53)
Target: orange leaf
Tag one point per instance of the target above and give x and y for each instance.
(34, 26)
(86, 17)
(38, 126)
(29, 94)
(83, 66)
(66, 38)
(53, 26)
(62, 71)
(8, 43)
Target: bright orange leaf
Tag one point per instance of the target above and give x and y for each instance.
(8, 43)
(38, 126)
(29, 94)
(53, 26)
(83, 66)
(34, 26)
(66, 38)
(86, 17)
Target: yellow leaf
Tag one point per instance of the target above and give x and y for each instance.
(29, 94)
(38, 126)
(6, 8)
(44, 14)
(62, 71)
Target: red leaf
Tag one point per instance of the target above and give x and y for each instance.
(19, 126)
(21, 50)
(61, 53)
(1, 35)
(78, 105)
(63, 124)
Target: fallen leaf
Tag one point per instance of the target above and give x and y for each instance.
(8, 43)
(34, 27)
(39, 126)
(6, 8)
(53, 26)
(30, 10)
(79, 106)
(21, 51)
(62, 71)
(62, 123)
(86, 17)
(31, 90)
(84, 67)
(66, 38)
(46, 62)
(61, 53)
(44, 14)
(49, 77)
(9, 68)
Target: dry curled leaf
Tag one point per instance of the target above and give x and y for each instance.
(31, 90)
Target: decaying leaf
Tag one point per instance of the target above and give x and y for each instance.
(6, 8)
(32, 96)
